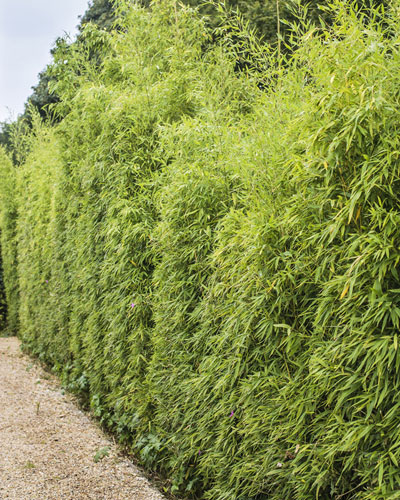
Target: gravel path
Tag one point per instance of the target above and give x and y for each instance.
(48, 446)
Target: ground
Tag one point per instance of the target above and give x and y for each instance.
(49, 448)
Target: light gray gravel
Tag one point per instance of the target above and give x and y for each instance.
(48, 445)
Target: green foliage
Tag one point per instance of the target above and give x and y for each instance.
(99, 12)
(268, 17)
(8, 221)
(3, 302)
(101, 453)
(214, 267)
(5, 132)
(42, 98)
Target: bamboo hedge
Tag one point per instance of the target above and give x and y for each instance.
(211, 256)
(8, 216)
(3, 301)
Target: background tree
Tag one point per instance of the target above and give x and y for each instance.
(99, 12)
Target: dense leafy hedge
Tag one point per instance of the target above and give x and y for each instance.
(3, 302)
(8, 216)
(216, 267)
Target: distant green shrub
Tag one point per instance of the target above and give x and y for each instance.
(213, 266)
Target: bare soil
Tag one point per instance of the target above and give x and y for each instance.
(48, 445)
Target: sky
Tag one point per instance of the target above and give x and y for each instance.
(28, 30)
